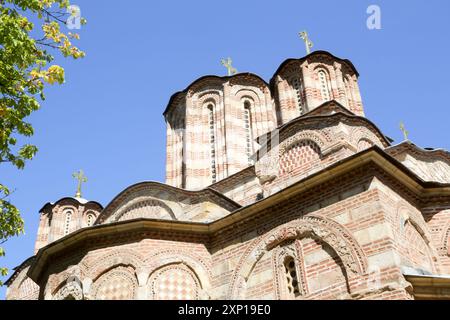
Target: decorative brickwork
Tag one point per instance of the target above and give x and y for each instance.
(214, 122)
(312, 143)
(200, 268)
(70, 291)
(331, 233)
(301, 157)
(158, 201)
(23, 288)
(429, 165)
(63, 217)
(174, 282)
(113, 259)
(290, 280)
(116, 284)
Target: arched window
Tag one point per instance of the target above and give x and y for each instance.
(212, 141)
(248, 132)
(298, 88)
(291, 276)
(324, 85)
(68, 219)
(90, 219)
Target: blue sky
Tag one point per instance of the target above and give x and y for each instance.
(107, 117)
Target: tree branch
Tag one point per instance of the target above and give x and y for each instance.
(47, 44)
(49, 14)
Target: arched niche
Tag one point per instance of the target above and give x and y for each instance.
(143, 207)
(328, 231)
(117, 283)
(201, 268)
(124, 257)
(174, 281)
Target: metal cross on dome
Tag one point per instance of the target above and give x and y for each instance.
(81, 178)
(403, 129)
(308, 43)
(227, 64)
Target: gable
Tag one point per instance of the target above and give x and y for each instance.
(152, 200)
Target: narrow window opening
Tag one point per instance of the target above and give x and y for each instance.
(67, 222)
(248, 132)
(90, 219)
(212, 141)
(291, 276)
(324, 85)
(297, 85)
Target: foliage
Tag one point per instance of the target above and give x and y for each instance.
(25, 69)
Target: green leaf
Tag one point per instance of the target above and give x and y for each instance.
(3, 272)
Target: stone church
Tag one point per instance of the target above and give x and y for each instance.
(279, 190)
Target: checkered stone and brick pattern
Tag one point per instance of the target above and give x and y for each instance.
(117, 284)
(300, 157)
(174, 282)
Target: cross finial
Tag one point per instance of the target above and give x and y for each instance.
(308, 43)
(403, 129)
(81, 178)
(227, 64)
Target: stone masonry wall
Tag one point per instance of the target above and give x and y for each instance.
(344, 236)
